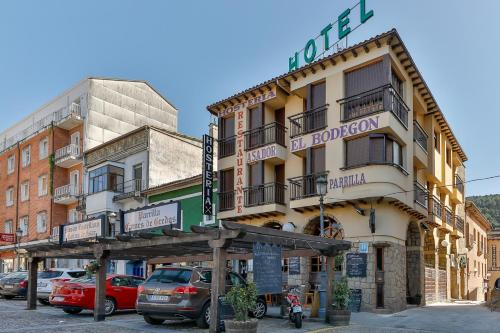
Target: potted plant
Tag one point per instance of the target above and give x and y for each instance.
(340, 315)
(243, 300)
(91, 268)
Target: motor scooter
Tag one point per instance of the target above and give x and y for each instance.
(295, 313)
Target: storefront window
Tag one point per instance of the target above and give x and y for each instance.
(106, 178)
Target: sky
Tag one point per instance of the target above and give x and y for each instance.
(198, 52)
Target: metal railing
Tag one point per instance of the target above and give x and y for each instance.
(226, 201)
(459, 223)
(129, 188)
(448, 216)
(384, 98)
(304, 186)
(265, 135)
(419, 136)
(459, 184)
(64, 191)
(421, 194)
(55, 117)
(264, 194)
(437, 208)
(71, 150)
(309, 121)
(227, 146)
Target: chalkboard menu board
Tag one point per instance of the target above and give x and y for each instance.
(294, 265)
(355, 300)
(356, 264)
(267, 273)
(226, 311)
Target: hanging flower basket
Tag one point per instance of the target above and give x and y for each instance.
(92, 268)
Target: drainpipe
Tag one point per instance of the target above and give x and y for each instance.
(52, 152)
(18, 168)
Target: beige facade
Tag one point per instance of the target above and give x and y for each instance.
(364, 118)
(493, 260)
(476, 227)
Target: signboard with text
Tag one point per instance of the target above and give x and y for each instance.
(267, 273)
(150, 217)
(356, 264)
(208, 174)
(9, 238)
(84, 230)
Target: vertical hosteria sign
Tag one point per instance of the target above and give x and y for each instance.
(314, 48)
(208, 174)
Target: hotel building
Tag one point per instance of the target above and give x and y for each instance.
(364, 118)
(493, 261)
(41, 157)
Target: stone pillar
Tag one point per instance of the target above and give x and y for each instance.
(448, 267)
(32, 283)
(100, 284)
(330, 277)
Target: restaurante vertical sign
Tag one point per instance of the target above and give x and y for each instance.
(208, 174)
(239, 161)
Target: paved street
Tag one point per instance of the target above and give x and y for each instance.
(437, 318)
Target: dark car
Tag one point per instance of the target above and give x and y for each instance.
(184, 293)
(14, 284)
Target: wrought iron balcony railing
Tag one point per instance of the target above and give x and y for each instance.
(421, 194)
(265, 135)
(307, 122)
(304, 186)
(384, 98)
(264, 194)
(227, 146)
(226, 201)
(459, 184)
(437, 208)
(419, 136)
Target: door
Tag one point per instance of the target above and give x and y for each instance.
(74, 182)
(255, 121)
(255, 181)
(75, 140)
(316, 99)
(137, 176)
(279, 178)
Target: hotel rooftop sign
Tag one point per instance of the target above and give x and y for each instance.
(313, 51)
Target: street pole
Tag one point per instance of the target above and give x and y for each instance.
(322, 295)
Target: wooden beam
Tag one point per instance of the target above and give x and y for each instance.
(217, 287)
(294, 77)
(322, 66)
(303, 73)
(100, 286)
(313, 70)
(333, 62)
(343, 57)
(354, 53)
(32, 282)
(366, 48)
(377, 42)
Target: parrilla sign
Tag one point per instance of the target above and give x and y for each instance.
(353, 128)
(162, 215)
(310, 51)
(347, 181)
(84, 230)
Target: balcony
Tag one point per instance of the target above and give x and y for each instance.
(265, 135)
(66, 195)
(226, 201)
(459, 224)
(437, 210)
(421, 195)
(68, 156)
(377, 100)
(270, 193)
(227, 146)
(304, 186)
(449, 217)
(129, 189)
(69, 117)
(307, 122)
(419, 136)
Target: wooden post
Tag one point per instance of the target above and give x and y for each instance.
(330, 269)
(32, 282)
(218, 282)
(100, 284)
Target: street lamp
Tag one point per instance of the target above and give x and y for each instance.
(19, 233)
(321, 184)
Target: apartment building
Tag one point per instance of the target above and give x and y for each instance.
(477, 227)
(364, 119)
(493, 275)
(41, 157)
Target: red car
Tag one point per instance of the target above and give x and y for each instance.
(78, 294)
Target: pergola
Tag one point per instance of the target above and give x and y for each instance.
(231, 241)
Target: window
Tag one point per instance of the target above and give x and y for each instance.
(397, 83)
(43, 148)
(42, 185)
(41, 222)
(373, 149)
(26, 154)
(106, 178)
(25, 191)
(72, 215)
(10, 164)
(437, 142)
(448, 156)
(9, 196)
(23, 225)
(8, 227)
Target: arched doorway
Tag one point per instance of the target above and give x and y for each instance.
(333, 230)
(414, 257)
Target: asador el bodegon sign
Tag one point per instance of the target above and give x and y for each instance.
(310, 52)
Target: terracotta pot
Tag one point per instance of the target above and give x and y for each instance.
(340, 317)
(249, 326)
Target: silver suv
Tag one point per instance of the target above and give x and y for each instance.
(184, 293)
